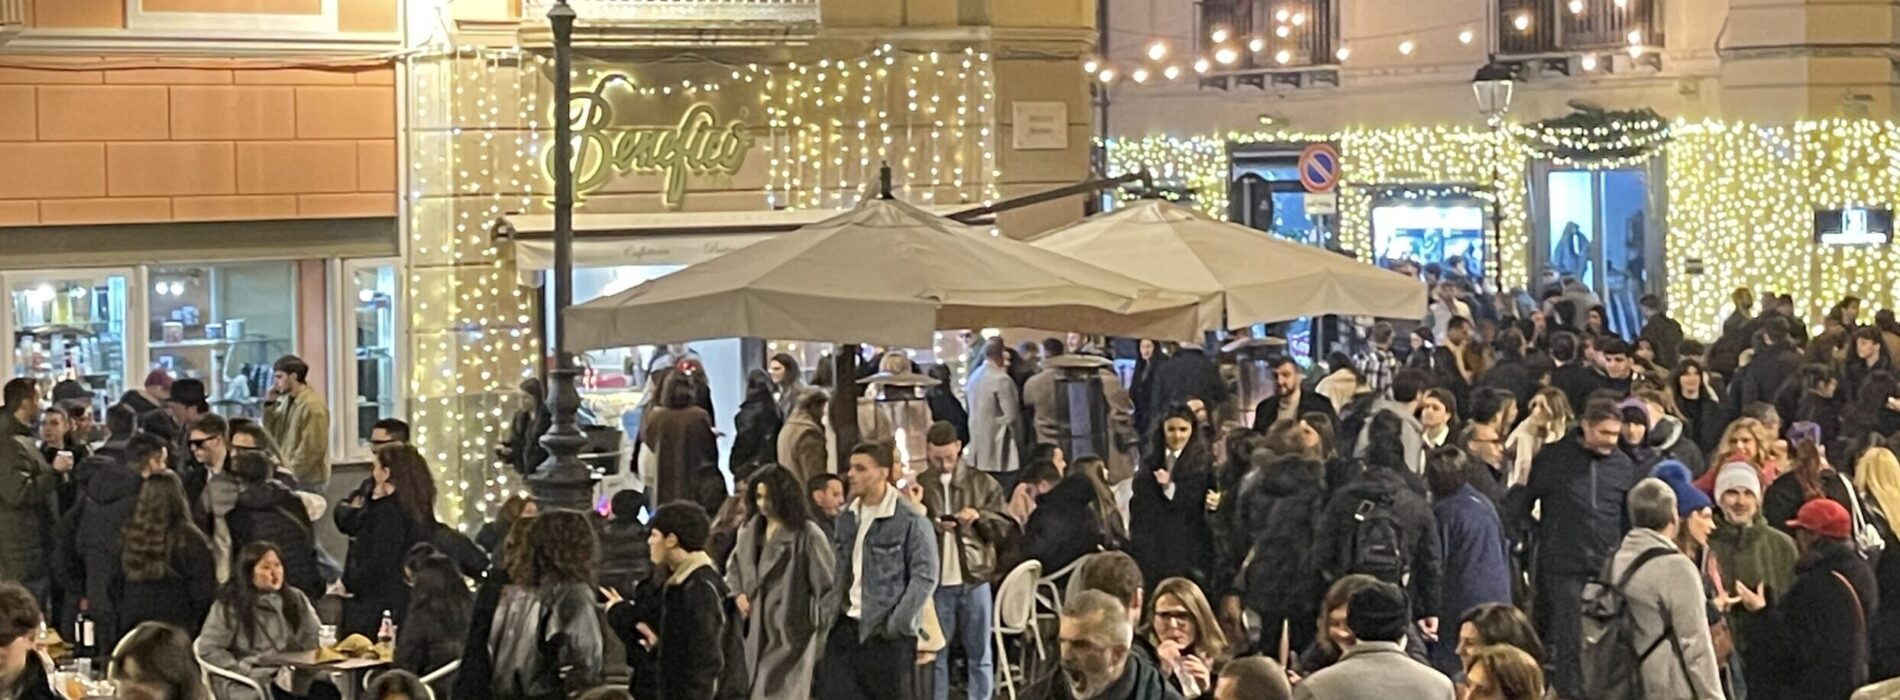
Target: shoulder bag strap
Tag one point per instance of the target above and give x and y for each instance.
(1860, 614)
(1853, 503)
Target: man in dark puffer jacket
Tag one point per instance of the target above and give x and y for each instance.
(87, 548)
(1274, 573)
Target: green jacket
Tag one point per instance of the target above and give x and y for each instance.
(300, 424)
(26, 503)
(1753, 554)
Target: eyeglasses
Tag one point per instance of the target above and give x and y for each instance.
(199, 443)
(1177, 618)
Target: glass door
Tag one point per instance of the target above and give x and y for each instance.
(1596, 230)
(1266, 194)
(371, 322)
(71, 324)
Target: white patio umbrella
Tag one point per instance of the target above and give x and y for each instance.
(885, 273)
(1242, 275)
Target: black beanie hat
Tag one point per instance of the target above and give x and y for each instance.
(1378, 613)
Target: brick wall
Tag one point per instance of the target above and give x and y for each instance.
(197, 142)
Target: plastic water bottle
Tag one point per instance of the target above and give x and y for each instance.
(386, 632)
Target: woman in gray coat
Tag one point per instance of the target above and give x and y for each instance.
(257, 615)
(780, 574)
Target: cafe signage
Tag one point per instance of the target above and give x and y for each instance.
(695, 143)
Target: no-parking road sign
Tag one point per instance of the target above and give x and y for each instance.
(1319, 168)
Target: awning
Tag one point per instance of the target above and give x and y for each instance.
(670, 238)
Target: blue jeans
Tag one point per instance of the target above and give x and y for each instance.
(964, 614)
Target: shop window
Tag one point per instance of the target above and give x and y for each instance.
(225, 325)
(371, 324)
(71, 325)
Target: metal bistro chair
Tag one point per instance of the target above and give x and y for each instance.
(229, 675)
(1014, 615)
(428, 681)
(1049, 588)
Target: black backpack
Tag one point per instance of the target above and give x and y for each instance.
(1612, 656)
(1377, 547)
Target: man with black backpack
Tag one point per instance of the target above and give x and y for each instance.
(1647, 611)
(1581, 482)
(1379, 526)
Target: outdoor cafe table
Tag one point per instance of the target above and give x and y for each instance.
(351, 671)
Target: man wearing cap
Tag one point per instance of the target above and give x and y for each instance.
(152, 396)
(1748, 551)
(1376, 666)
(1664, 591)
(1812, 642)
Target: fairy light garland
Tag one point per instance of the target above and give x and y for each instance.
(1741, 197)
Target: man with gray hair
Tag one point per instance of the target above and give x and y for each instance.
(1662, 592)
(1095, 634)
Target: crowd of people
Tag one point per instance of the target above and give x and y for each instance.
(1506, 499)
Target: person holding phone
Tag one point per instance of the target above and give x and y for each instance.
(967, 507)
(1169, 532)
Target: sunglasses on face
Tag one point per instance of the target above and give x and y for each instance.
(199, 443)
(382, 442)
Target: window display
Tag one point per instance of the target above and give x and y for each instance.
(225, 325)
(1596, 231)
(1429, 233)
(71, 326)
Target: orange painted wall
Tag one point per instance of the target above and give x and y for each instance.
(353, 16)
(155, 144)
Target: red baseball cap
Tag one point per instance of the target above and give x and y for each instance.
(1823, 517)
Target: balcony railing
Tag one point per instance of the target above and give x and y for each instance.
(1544, 27)
(1288, 34)
(710, 12)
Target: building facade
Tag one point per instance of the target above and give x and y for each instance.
(201, 187)
(1682, 149)
(701, 126)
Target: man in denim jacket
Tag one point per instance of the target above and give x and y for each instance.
(887, 568)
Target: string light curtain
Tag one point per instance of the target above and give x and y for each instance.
(479, 125)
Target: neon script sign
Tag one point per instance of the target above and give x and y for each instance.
(698, 144)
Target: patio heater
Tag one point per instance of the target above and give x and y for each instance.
(563, 481)
(1082, 407)
(900, 397)
(1493, 86)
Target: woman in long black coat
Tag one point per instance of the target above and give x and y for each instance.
(167, 573)
(387, 516)
(758, 424)
(1169, 533)
(1280, 504)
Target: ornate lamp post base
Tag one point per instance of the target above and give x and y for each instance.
(563, 481)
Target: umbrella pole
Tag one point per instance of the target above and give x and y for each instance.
(844, 402)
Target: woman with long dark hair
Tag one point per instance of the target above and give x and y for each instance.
(1141, 387)
(387, 515)
(268, 511)
(680, 435)
(1167, 518)
(551, 587)
(158, 657)
(167, 574)
(256, 616)
(786, 379)
(758, 422)
(530, 422)
(1808, 477)
(780, 569)
(1703, 415)
(437, 623)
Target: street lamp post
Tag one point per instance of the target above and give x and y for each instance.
(563, 481)
(1493, 86)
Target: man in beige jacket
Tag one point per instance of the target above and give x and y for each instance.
(299, 422)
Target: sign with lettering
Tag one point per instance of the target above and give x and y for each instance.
(696, 143)
(1039, 126)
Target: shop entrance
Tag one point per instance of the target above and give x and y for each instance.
(1597, 226)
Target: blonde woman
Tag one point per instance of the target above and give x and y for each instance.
(1745, 440)
(1550, 418)
(1877, 480)
(1186, 637)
